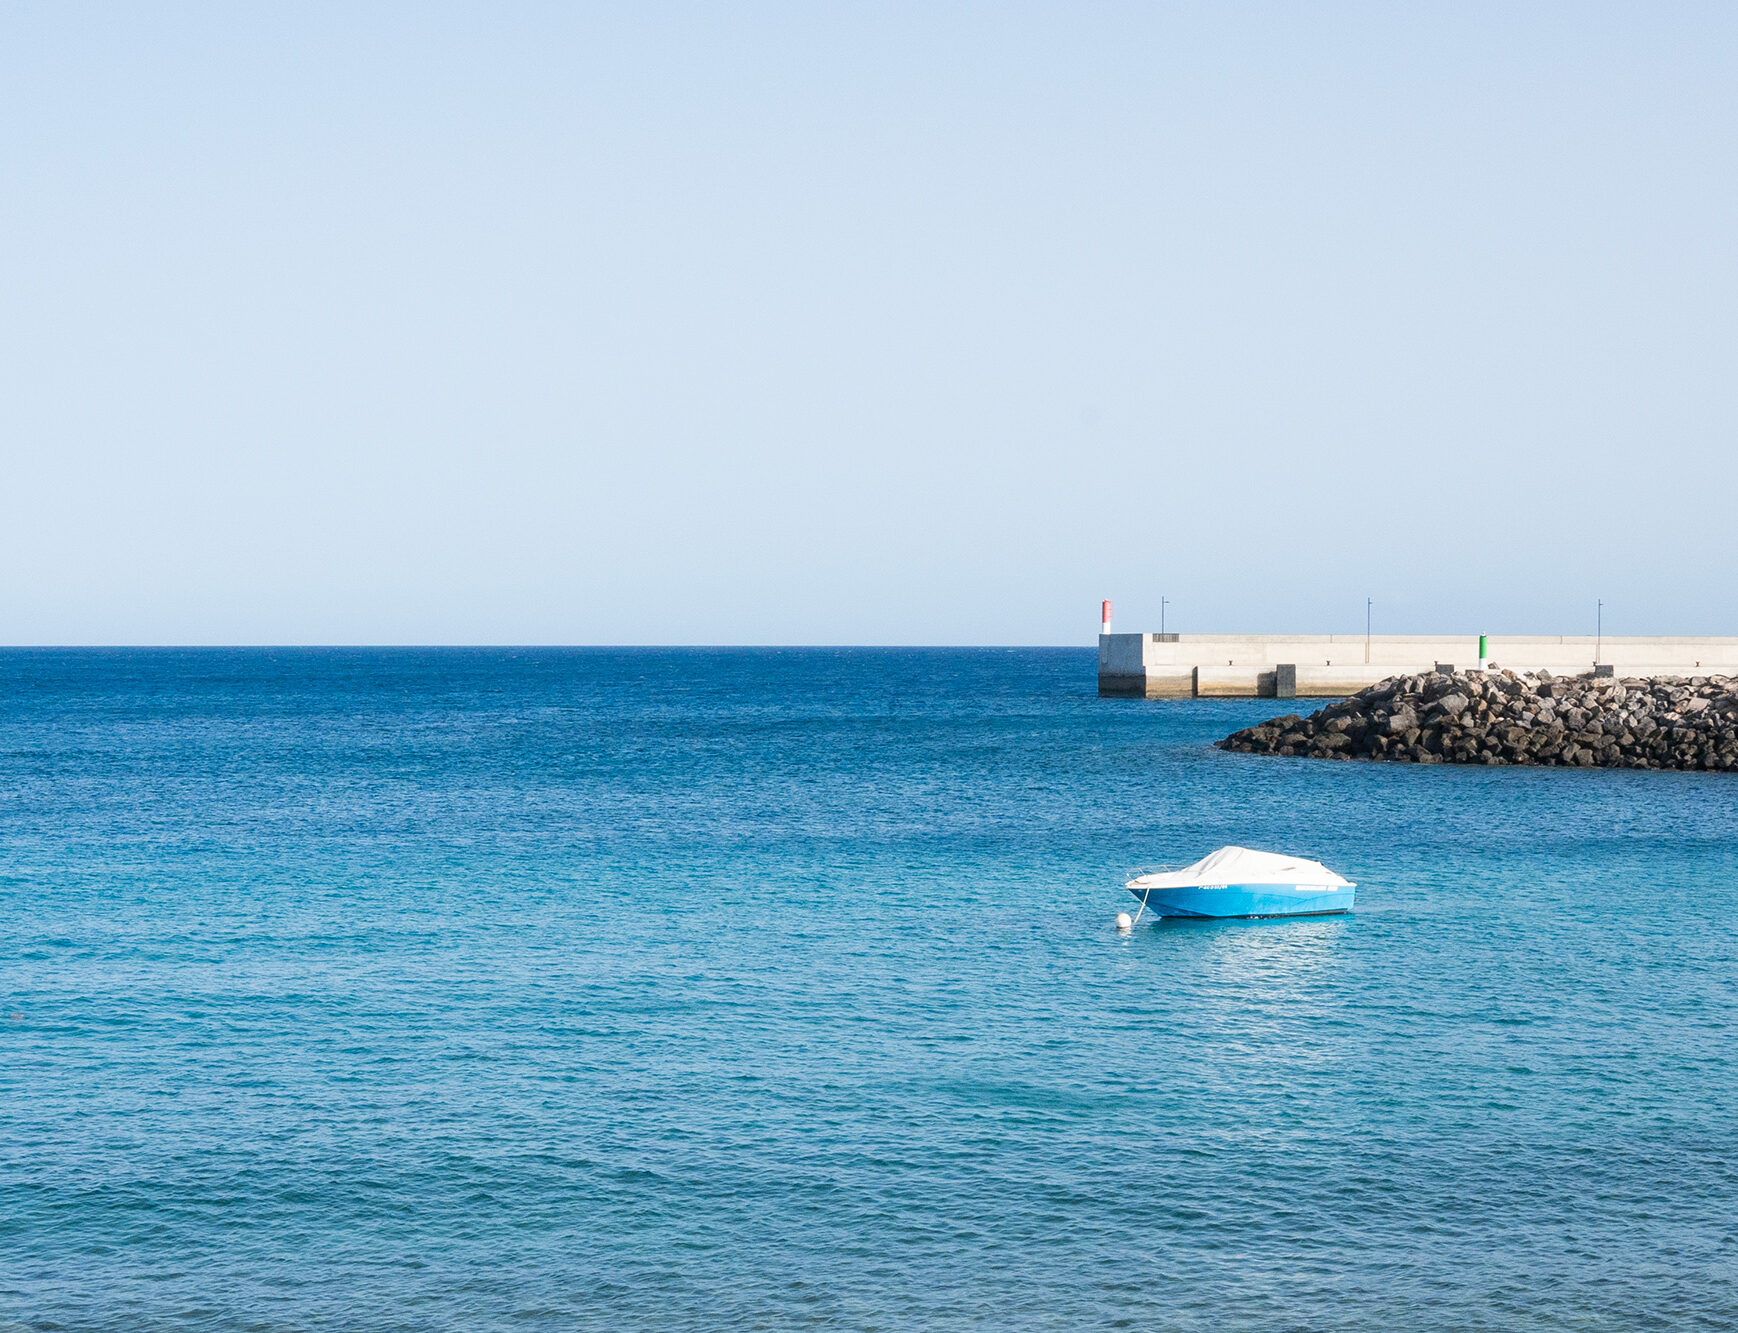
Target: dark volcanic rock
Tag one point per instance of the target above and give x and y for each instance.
(1498, 717)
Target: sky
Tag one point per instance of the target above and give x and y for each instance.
(864, 324)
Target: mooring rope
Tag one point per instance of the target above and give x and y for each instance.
(1142, 908)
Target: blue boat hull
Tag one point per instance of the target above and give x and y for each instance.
(1246, 900)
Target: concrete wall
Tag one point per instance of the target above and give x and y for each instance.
(1183, 666)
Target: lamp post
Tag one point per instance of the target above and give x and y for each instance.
(1162, 605)
(1367, 603)
(1598, 629)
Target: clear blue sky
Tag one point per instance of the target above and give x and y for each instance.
(524, 323)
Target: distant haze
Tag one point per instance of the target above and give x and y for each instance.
(864, 324)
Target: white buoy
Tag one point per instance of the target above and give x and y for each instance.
(1123, 923)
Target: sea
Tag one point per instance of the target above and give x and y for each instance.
(574, 989)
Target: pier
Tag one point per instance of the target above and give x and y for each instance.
(1325, 666)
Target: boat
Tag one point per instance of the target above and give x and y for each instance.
(1238, 882)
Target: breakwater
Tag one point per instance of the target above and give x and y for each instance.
(1321, 666)
(1504, 717)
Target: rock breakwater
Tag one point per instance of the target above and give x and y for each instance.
(1500, 717)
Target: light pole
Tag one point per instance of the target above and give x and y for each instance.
(1367, 603)
(1162, 604)
(1598, 629)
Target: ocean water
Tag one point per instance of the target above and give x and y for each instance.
(460, 990)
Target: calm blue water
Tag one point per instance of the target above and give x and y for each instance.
(459, 990)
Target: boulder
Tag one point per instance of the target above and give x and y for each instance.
(1510, 718)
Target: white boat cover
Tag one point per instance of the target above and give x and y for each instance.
(1239, 865)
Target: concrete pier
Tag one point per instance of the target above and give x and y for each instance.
(1323, 666)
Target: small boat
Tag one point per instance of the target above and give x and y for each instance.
(1236, 882)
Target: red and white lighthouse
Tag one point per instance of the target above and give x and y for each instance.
(1105, 627)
